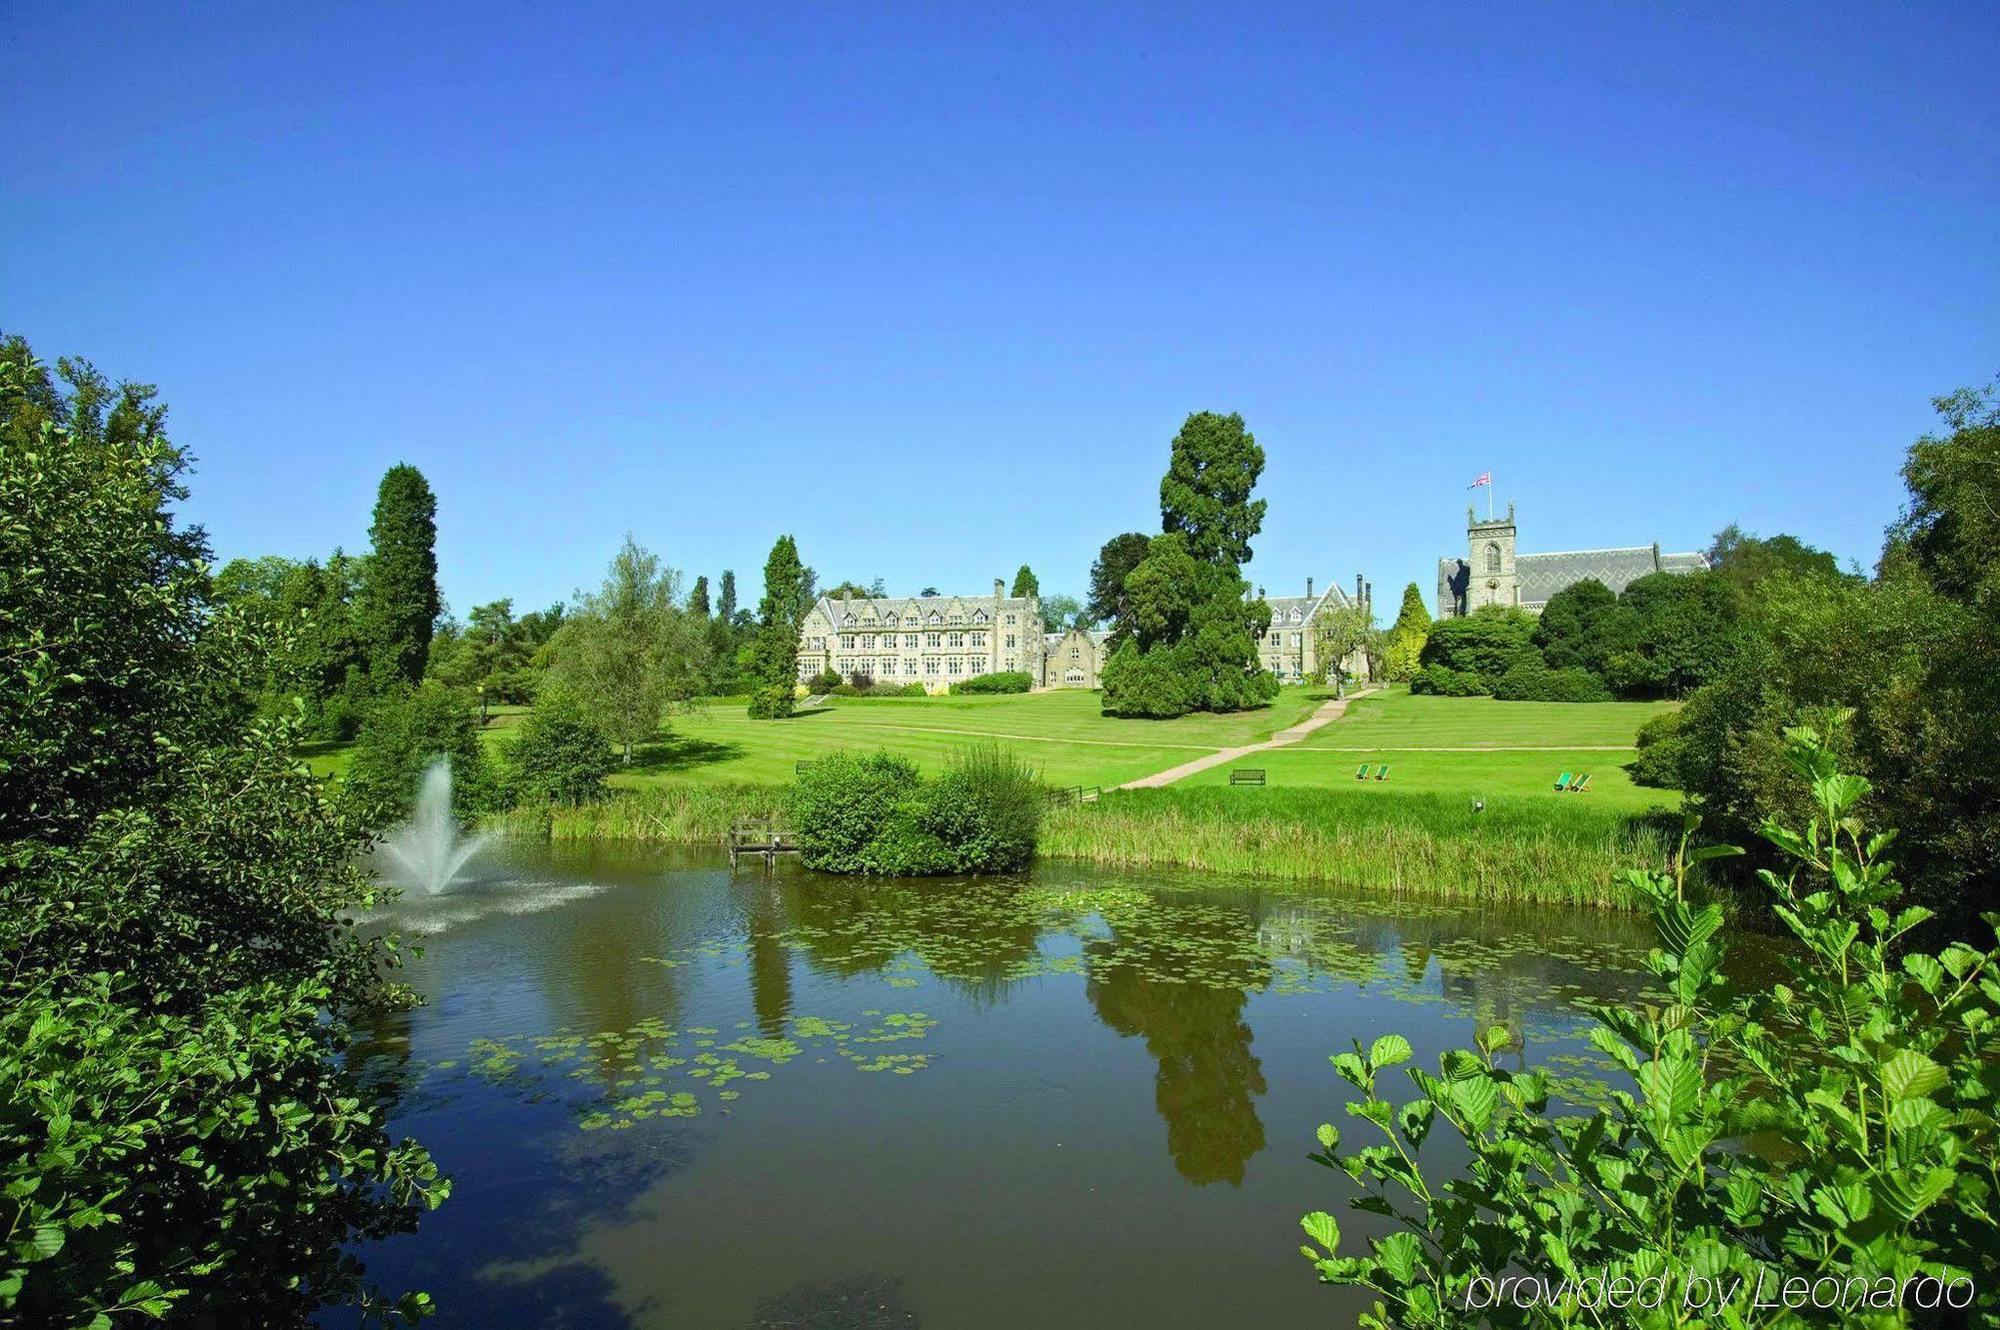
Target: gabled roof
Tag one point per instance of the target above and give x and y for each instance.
(1542, 575)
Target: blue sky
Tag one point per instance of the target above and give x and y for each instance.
(932, 287)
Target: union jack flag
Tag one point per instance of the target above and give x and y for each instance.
(1483, 478)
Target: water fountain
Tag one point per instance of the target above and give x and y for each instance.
(427, 848)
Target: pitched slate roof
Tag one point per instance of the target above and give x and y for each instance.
(871, 613)
(1300, 609)
(1542, 575)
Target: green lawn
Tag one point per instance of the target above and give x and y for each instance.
(1062, 733)
(1396, 718)
(1458, 746)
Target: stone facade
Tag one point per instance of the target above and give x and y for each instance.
(1494, 573)
(932, 640)
(1073, 659)
(1288, 648)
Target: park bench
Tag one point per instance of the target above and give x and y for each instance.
(1247, 776)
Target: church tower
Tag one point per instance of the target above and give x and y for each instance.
(1490, 561)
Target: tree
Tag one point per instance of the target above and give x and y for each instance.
(1950, 529)
(1338, 633)
(1571, 629)
(1194, 627)
(628, 651)
(1115, 562)
(1205, 494)
(788, 593)
(854, 590)
(1062, 612)
(1678, 631)
(559, 756)
(407, 730)
(1483, 644)
(1744, 560)
(1025, 583)
(698, 598)
(725, 608)
(180, 974)
(402, 591)
(930, 591)
(1404, 645)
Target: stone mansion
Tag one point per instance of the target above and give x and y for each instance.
(940, 640)
(932, 640)
(1492, 573)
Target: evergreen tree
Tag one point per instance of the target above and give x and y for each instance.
(402, 591)
(788, 591)
(1025, 583)
(1115, 562)
(1193, 644)
(1405, 642)
(698, 598)
(726, 605)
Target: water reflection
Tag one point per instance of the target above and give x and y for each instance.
(685, 1097)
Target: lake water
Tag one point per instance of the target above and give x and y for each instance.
(671, 1095)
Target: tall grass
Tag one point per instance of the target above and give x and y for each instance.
(683, 811)
(1522, 850)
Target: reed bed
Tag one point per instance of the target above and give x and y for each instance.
(1525, 850)
(680, 811)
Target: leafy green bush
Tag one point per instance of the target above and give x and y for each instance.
(1444, 681)
(878, 690)
(179, 1134)
(405, 732)
(1532, 681)
(840, 805)
(823, 682)
(771, 701)
(1003, 681)
(559, 756)
(1838, 1126)
(875, 814)
(1661, 750)
(1488, 642)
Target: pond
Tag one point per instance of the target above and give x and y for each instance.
(673, 1095)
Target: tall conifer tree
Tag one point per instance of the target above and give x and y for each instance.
(402, 602)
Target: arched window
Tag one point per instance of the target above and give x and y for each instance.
(1493, 560)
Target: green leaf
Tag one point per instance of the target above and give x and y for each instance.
(1322, 1228)
(1911, 1075)
(1329, 1136)
(1389, 1050)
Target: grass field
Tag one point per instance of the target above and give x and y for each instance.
(1062, 734)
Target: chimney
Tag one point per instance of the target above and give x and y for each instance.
(1360, 588)
(999, 588)
(1309, 588)
(1368, 594)
(1260, 593)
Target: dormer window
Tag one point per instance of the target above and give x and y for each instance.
(890, 618)
(848, 619)
(936, 617)
(979, 616)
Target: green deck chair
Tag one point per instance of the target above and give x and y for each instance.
(1361, 773)
(1382, 772)
(1582, 784)
(1562, 782)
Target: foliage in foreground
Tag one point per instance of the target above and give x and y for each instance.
(876, 814)
(178, 1135)
(1837, 1129)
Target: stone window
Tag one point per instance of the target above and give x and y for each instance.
(909, 665)
(954, 639)
(979, 639)
(1012, 620)
(955, 667)
(1493, 560)
(979, 616)
(1010, 641)
(930, 665)
(847, 641)
(890, 619)
(869, 641)
(958, 616)
(936, 617)
(910, 640)
(933, 639)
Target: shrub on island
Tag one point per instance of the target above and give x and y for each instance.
(876, 814)
(1004, 681)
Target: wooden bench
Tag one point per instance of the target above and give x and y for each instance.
(1247, 776)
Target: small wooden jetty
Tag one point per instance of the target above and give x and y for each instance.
(759, 837)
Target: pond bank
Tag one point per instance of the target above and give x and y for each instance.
(1516, 850)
